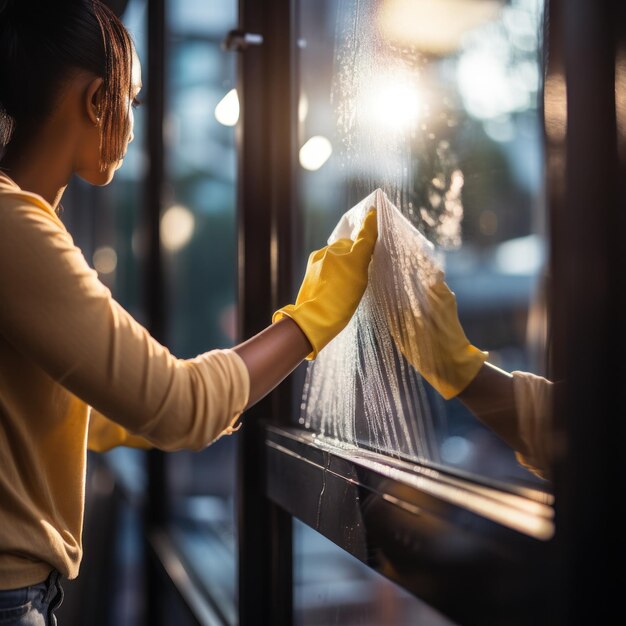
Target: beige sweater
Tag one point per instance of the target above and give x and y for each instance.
(66, 345)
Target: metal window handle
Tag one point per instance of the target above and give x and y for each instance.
(238, 41)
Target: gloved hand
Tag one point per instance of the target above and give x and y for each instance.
(434, 342)
(334, 282)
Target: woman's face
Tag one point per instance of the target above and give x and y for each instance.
(90, 169)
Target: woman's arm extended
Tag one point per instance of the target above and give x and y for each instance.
(56, 312)
(264, 369)
(259, 353)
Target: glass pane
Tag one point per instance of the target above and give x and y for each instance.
(437, 105)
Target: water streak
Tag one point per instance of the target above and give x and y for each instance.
(360, 389)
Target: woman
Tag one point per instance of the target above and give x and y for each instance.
(69, 78)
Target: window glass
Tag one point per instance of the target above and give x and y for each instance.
(437, 104)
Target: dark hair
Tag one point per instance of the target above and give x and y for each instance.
(41, 43)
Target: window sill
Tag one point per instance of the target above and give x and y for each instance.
(445, 538)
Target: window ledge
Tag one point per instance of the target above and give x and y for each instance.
(445, 538)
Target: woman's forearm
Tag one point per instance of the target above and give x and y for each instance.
(490, 397)
(272, 355)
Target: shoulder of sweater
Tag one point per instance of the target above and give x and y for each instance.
(11, 196)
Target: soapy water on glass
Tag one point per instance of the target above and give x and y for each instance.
(361, 391)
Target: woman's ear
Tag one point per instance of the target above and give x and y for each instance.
(93, 100)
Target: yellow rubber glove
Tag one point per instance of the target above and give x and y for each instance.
(433, 341)
(334, 282)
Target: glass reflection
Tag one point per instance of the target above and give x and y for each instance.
(436, 103)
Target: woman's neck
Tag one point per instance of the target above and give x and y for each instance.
(39, 169)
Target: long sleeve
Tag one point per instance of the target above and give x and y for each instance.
(55, 311)
(533, 403)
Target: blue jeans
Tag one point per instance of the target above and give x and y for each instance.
(32, 606)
